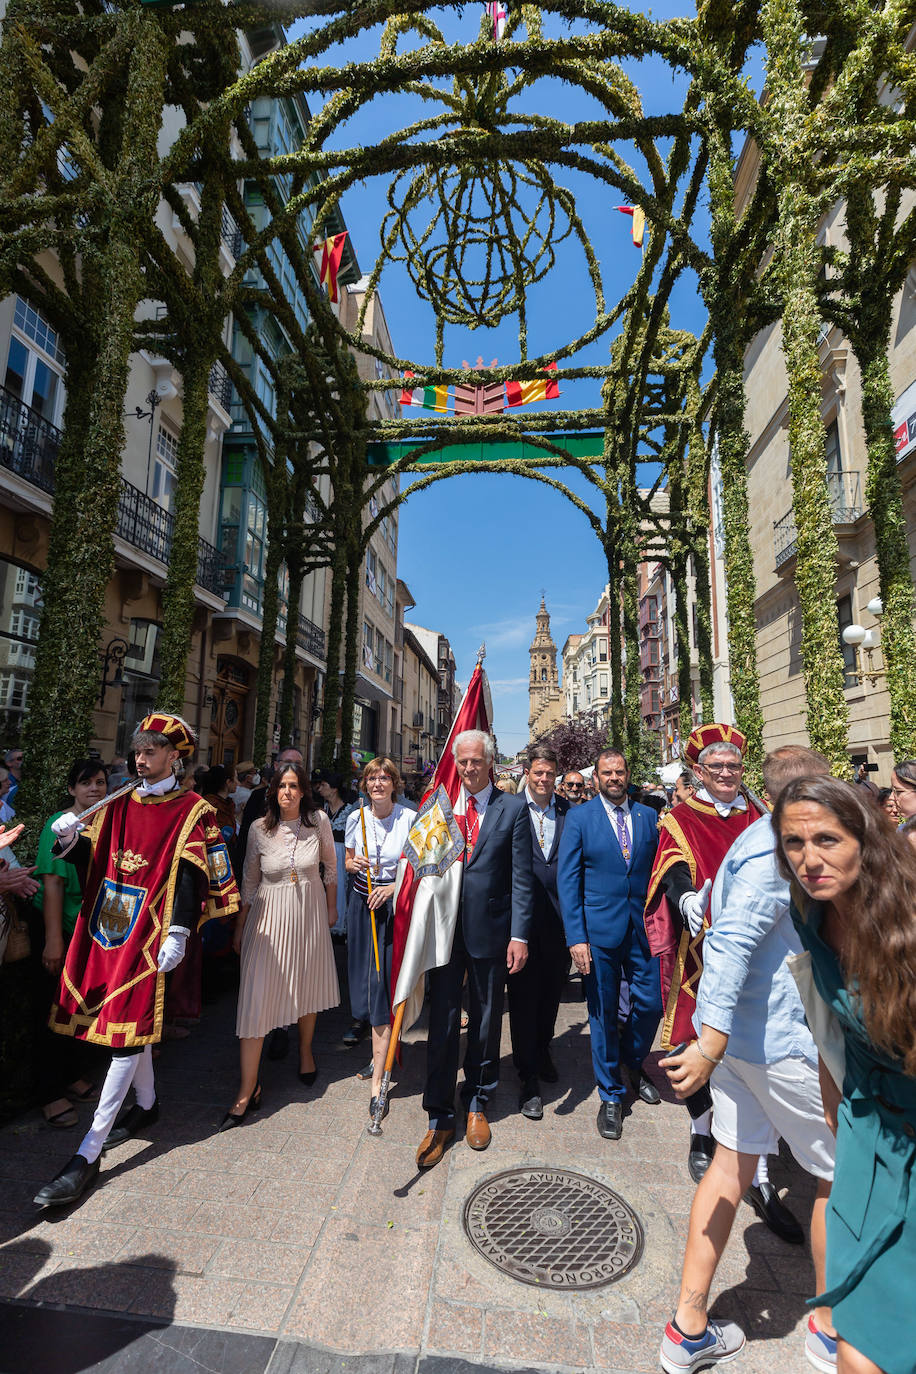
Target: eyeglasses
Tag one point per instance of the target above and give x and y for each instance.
(902, 791)
(717, 768)
(575, 786)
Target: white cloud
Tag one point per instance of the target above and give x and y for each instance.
(507, 634)
(503, 686)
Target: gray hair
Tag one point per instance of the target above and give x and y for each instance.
(720, 746)
(475, 737)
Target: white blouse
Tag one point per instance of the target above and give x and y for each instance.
(384, 838)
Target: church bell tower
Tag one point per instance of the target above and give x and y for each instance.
(543, 681)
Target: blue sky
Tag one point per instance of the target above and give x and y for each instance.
(476, 551)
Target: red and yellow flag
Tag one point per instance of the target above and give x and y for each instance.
(331, 253)
(542, 389)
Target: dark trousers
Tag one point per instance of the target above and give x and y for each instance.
(534, 995)
(486, 979)
(602, 991)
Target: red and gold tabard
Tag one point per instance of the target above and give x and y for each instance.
(111, 991)
(694, 833)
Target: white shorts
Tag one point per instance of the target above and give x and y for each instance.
(754, 1104)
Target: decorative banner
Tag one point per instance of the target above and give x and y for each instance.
(331, 253)
(499, 14)
(429, 397)
(639, 221)
(543, 389)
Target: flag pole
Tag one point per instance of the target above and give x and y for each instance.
(381, 1100)
(362, 817)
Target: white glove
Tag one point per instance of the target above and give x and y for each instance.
(66, 828)
(172, 951)
(693, 907)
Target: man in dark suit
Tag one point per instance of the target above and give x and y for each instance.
(491, 933)
(535, 991)
(606, 855)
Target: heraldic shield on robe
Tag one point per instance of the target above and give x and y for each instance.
(111, 991)
(693, 833)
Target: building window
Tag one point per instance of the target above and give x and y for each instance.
(372, 572)
(368, 645)
(164, 466)
(832, 446)
(35, 363)
(602, 684)
(20, 612)
(543, 674)
(602, 651)
(844, 618)
(575, 703)
(379, 660)
(141, 674)
(389, 660)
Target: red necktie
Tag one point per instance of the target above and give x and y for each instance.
(473, 828)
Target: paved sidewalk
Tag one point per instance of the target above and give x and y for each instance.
(301, 1228)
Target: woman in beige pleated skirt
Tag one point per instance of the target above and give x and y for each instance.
(283, 932)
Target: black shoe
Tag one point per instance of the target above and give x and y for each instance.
(547, 1069)
(70, 1184)
(643, 1087)
(702, 1149)
(230, 1120)
(358, 1031)
(529, 1102)
(308, 1078)
(278, 1043)
(128, 1122)
(766, 1202)
(610, 1120)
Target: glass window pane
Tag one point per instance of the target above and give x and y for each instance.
(16, 364)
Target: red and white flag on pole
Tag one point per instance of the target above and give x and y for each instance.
(428, 886)
(499, 14)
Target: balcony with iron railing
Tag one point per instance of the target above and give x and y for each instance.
(28, 447)
(220, 386)
(310, 638)
(844, 491)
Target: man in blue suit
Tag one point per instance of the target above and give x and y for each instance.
(491, 939)
(606, 855)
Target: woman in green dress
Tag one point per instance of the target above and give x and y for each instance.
(853, 906)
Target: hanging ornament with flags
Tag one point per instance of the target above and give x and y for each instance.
(499, 14)
(331, 254)
(639, 221)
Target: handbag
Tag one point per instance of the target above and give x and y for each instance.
(823, 1022)
(15, 944)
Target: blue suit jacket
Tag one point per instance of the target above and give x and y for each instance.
(497, 884)
(599, 896)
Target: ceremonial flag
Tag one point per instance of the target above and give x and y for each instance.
(499, 14)
(639, 221)
(331, 253)
(429, 397)
(543, 389)
(428, 886)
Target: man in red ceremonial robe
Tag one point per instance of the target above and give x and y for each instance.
(154, 866)
(694, 838)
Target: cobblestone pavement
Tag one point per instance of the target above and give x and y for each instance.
(300, 1228)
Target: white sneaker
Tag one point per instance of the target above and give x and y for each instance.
(682, 1354)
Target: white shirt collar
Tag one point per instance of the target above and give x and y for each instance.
(724, 808)
(157, 789)
(610, 807)
(537, 805)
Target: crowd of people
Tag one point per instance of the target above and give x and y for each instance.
(767, 943)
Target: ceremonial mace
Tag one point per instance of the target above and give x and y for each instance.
(375, 1125)
(112, 796)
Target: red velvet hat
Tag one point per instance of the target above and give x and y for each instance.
(177, 731)
(705, 735)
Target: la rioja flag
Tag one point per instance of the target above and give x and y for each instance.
(428, 886)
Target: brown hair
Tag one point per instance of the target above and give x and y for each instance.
(381, 764)
(880, 950)
(612, 752)
(307, 807)
(543, 753)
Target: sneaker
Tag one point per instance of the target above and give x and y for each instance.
(719, 1342)
(820, 1349)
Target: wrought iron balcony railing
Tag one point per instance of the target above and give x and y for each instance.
(28, 442)
(28, 447)
(220, 386)
(310, 638)
(844, 490)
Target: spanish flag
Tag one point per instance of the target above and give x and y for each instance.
(331, 253)
(543, 389)
(429, 397)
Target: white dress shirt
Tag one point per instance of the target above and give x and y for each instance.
(545, 821)
(611, 808)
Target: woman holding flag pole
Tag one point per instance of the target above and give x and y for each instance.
(374, 839)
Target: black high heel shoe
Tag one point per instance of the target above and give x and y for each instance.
(232, 1119)
(308, 1078)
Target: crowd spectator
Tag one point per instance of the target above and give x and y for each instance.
(331, 790)
(62, 1062)
(505, 783)
(217, 786)
(13, 761)
(756, 1052)
(374, 840)
(283, 930)
(854, 913)
(7, 814)
(685, 786)
(903, 789)
(573, 788)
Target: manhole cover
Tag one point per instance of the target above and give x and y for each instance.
(553, 1228)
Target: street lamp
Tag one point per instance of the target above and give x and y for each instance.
(867, 641)
(113, 657)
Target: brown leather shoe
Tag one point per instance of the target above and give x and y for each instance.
(477, 1132)
(432, 1148)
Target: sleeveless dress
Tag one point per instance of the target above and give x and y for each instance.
(288, 965)
(871, 1215)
